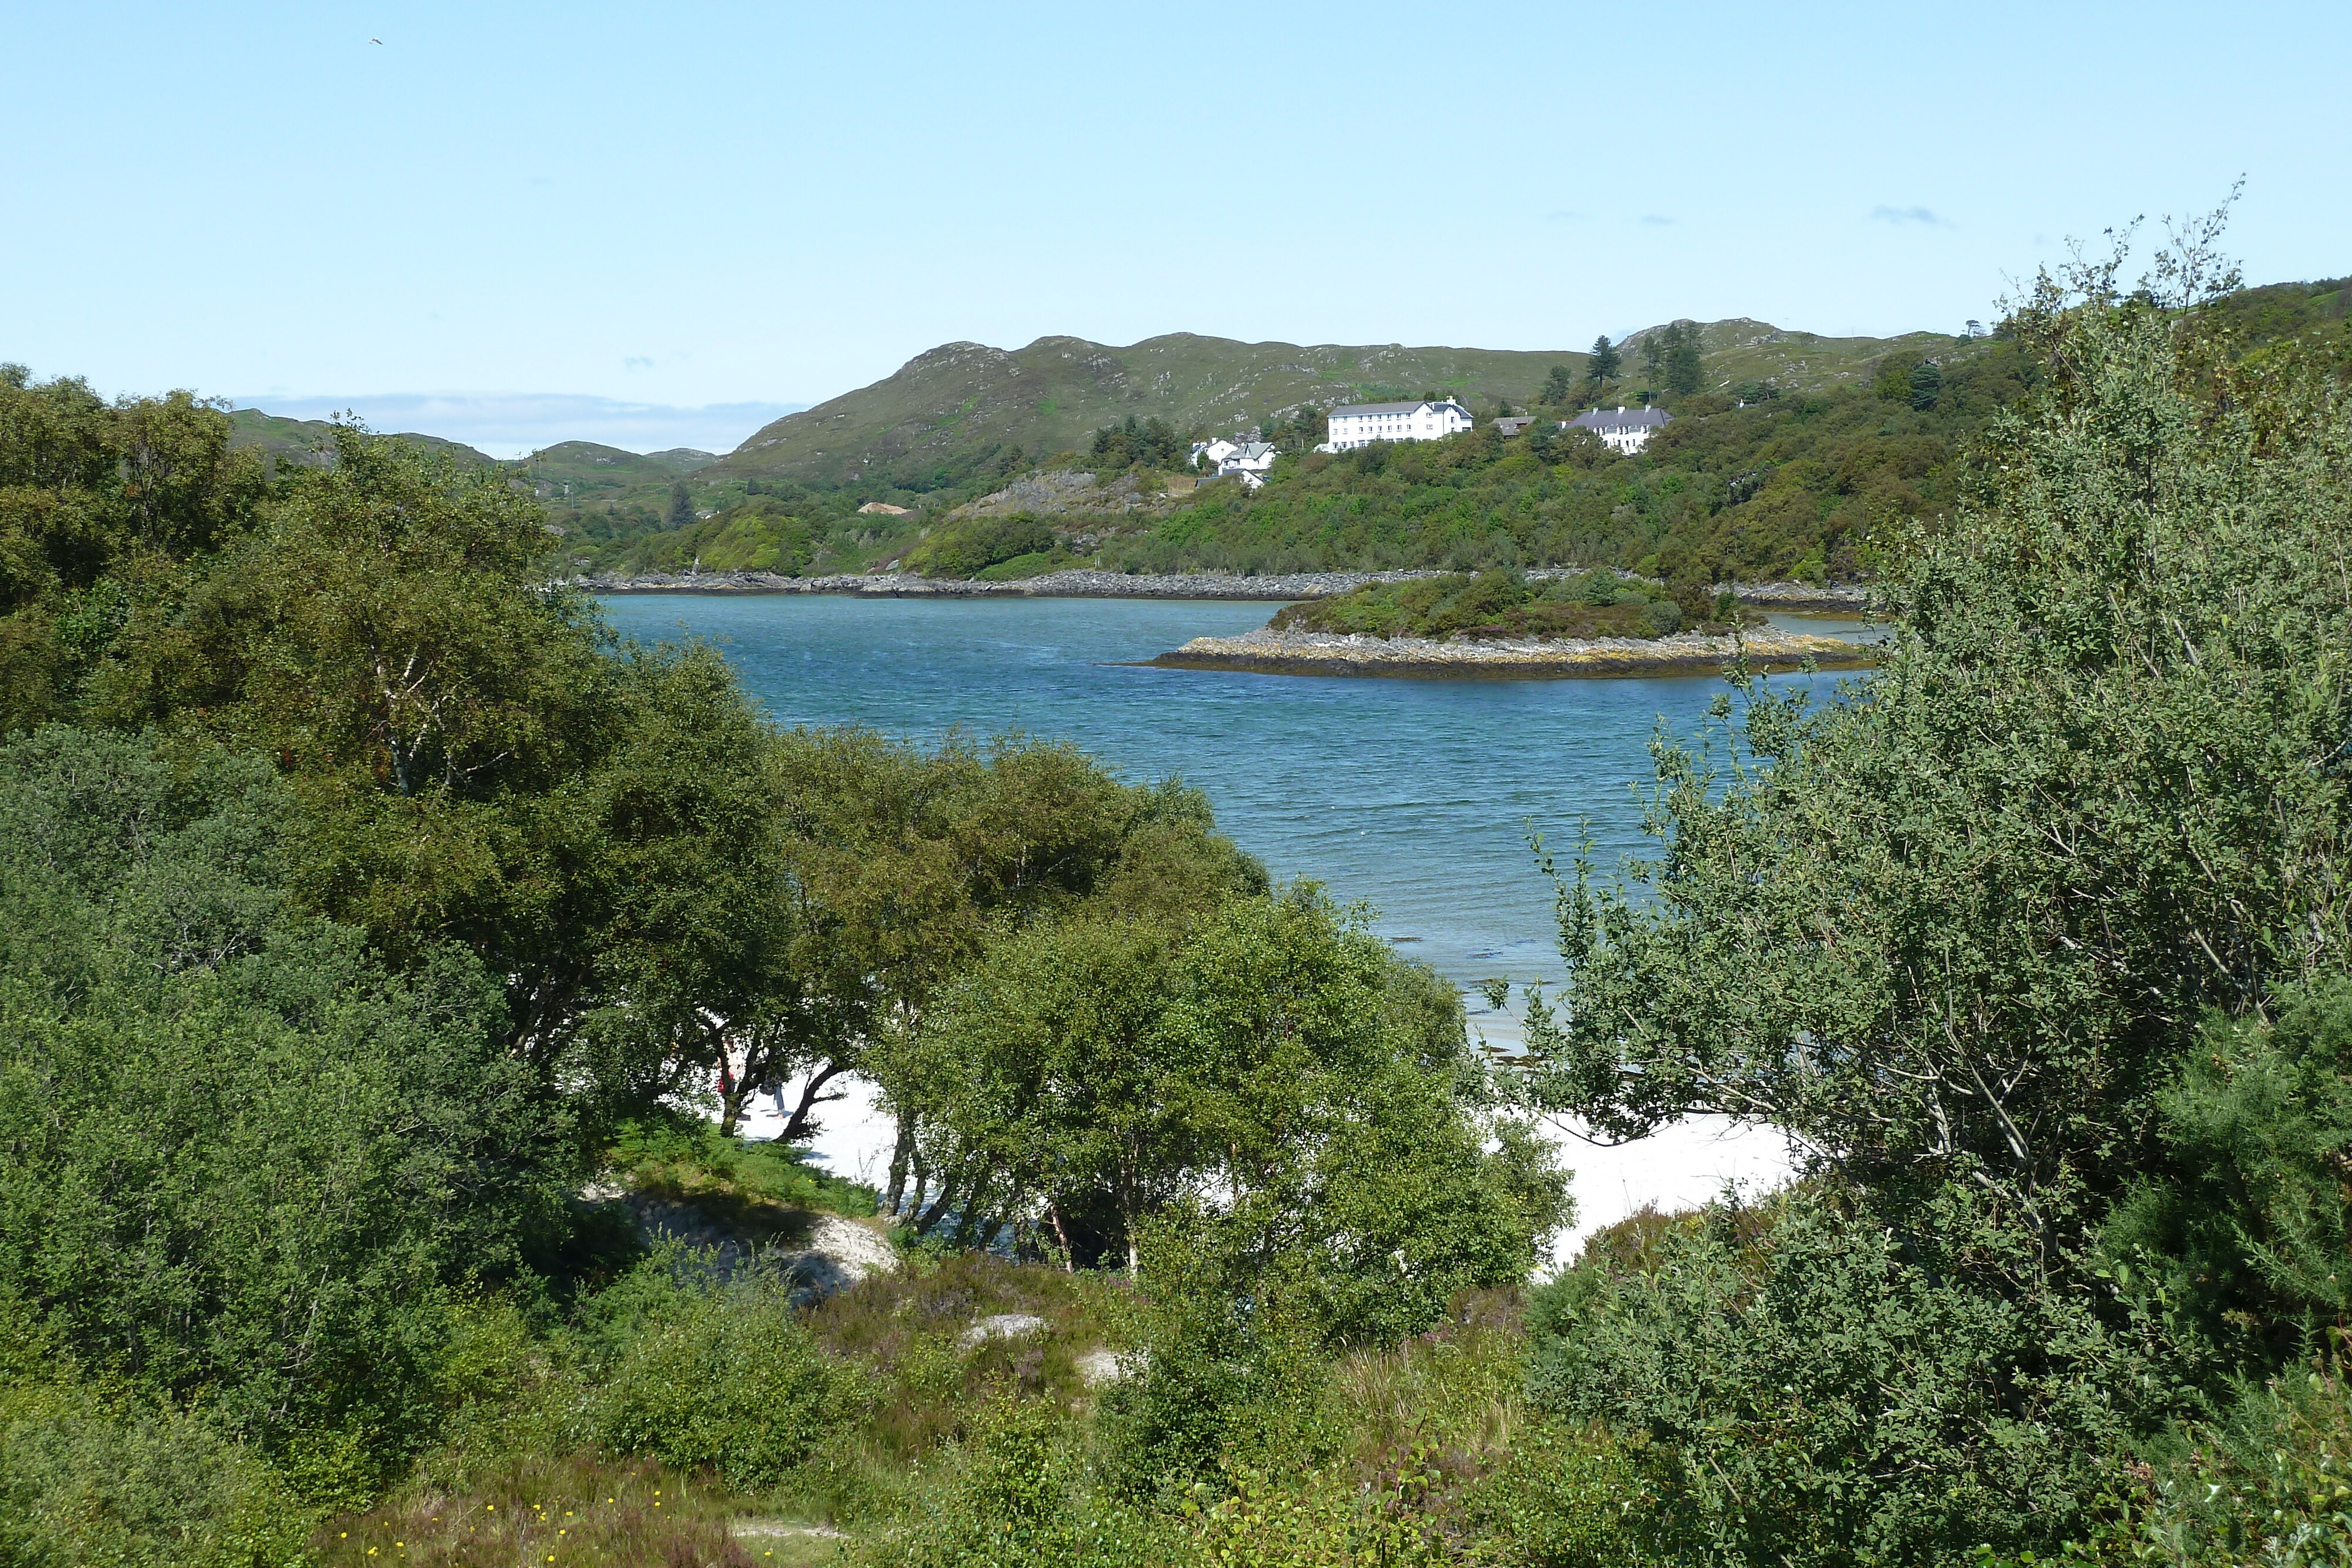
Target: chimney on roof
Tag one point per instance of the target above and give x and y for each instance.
(1620, 408)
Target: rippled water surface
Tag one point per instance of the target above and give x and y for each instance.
(1414, 795)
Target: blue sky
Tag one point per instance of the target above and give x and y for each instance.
(671, 222)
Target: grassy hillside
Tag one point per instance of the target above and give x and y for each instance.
(1791, 486)
(297, 440)
(1741, 350)
(597, 496)
(582, 472)
(1794, 486)
(964, 408)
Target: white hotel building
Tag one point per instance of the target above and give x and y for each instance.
(1361, 423)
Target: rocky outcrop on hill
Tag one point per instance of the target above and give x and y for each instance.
(1059, 493)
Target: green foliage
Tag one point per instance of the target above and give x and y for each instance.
(2270, 1484)
(944, 422)
(685, 1158)
(380, 888)
(1323, 1092)
(1495, 603)
(968, 547)
(1603, 362)
(761, 533)
(1723, 492)
(1153, 443)
(728, 1378)
(1017, 1491)
(1957, 934)
(1815, 1389)
(238, 1159)
(101, 507)
(1090, 1076)
(1671, 356)
(1036, 1079)
(2242, 1236)
(1566, 1496)
(1926, 384)
(915, 862)
(88, 1479)
(911, 1329)
(583, 1508)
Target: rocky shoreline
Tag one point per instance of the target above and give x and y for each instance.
(1266, 652)
(1081, 583)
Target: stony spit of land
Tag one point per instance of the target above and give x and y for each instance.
(1082, 583)
(1272, 652)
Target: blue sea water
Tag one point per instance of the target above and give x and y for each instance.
(1416, 796)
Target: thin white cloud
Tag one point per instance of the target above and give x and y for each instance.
(1656, 220)
(1566, 215)
(1885, 215)
(510, 424)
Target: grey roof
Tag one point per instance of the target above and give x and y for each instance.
(1623, 419)
(1391, 407)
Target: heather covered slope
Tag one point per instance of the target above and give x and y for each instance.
(963, 407)
(947, 413)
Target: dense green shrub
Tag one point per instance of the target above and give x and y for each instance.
(87, 1480)
(2244, 1244)
(1018, 1491)
(1960, 936)
(965, 548)
(1815, 1389)
(238, 1159)
(1565, 1497)
(726, 1377)
(1499, 602)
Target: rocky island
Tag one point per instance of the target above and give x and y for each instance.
(1271, 650)
(1502, 623)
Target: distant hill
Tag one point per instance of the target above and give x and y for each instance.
(950, 412)
(1742, 349)
(571, 475)
(1841, 441)
(297, 440)
(582, 474)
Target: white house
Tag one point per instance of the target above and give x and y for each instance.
(1251, 460)
(1358, 425)
(1628, 430)
(1216, 451)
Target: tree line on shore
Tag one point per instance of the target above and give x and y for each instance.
(366, 895)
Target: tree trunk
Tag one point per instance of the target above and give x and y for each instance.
(799, 1124)
(893, 1200)
(939, 1211)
